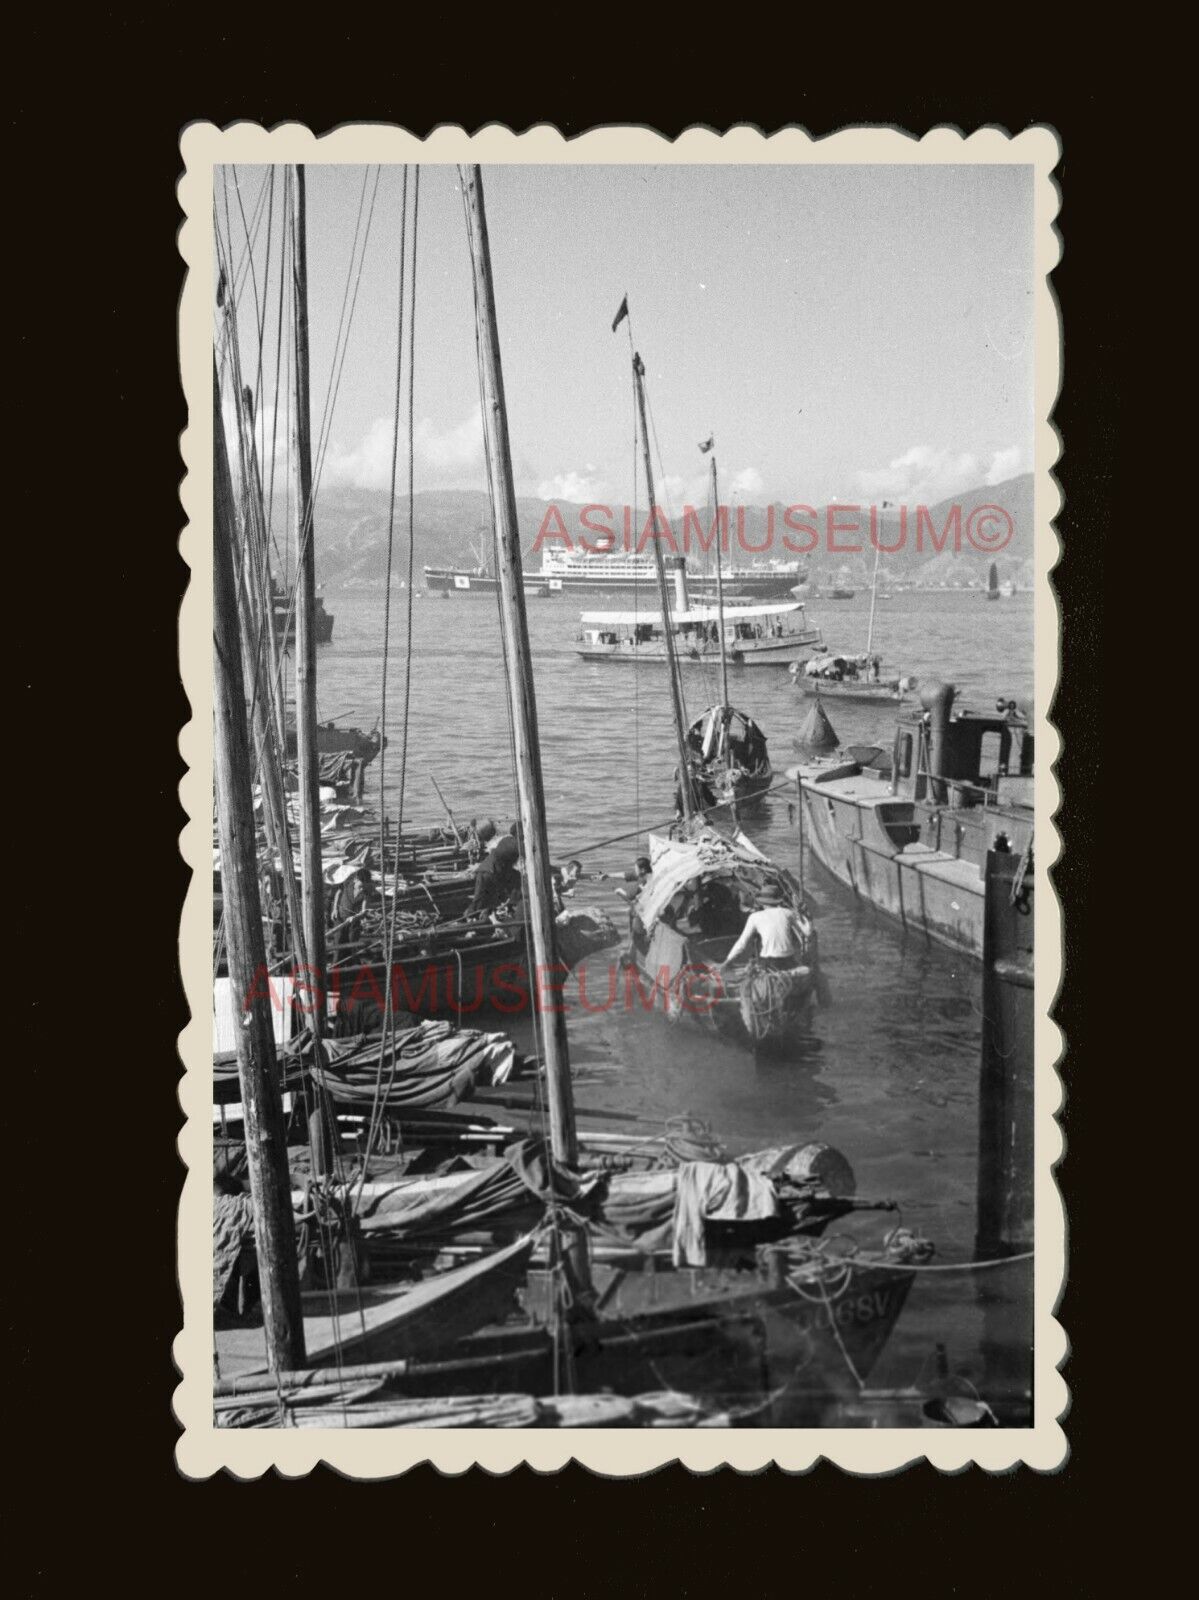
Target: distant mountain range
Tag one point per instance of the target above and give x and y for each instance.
(452, 527)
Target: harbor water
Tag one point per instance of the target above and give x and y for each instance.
(889, 1071)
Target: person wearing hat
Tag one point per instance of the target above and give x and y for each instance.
(782, 933)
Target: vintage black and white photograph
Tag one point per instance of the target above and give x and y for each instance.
(631, 640)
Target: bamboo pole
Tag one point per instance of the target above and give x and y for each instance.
(724, 660)
(518, 664)
(308, 763)
(676, 693)
(266, 1147)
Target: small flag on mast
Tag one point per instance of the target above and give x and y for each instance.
(708, 443)
(621, 314)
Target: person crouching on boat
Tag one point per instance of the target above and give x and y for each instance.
(781, 932)
(637, 876)
(498, 879)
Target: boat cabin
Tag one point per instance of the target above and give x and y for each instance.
(966, 759)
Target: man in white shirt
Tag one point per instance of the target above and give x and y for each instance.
(781, 932)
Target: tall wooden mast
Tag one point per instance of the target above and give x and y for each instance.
(266, 1139)
(676, 688)
(308, 765)
(519, 668)
(874, 585)
(724, 660)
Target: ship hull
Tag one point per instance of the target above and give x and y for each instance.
(769, 653)
(449, 582)
(755, 585)
(935, 892)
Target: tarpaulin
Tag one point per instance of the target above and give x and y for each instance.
(716, 1192)
(431, 1064)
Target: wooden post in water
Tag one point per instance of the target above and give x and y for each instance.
(538, 889)
(1005, 1098)
(266, 1139)
(309, 767)
(676, 688)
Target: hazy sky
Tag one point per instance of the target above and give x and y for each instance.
(847, 332)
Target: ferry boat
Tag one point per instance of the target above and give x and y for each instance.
(617, 573)
(754, 636)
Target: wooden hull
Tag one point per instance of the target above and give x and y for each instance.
(787, 1353)
(344, 1327)
(467, 982)
(859, 693)
(716, 1008)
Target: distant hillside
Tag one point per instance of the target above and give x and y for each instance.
(449, 524)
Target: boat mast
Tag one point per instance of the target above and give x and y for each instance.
(519, 667)
(676, 692)
(874, 586)
(266, 1138)
(308, 764)
(724, 662)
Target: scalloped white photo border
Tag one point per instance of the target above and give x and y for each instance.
(203, 1449)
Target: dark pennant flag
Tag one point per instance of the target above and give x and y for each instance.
(621, 314)
(708, 443)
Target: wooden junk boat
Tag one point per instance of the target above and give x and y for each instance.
(685, 1271)
(860, 679)
(685, 921)
(729, 755)
(726, 750)
(909, 830)
(704, 883)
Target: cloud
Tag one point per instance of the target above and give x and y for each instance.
(445, 457)
(746, 482)
(923, 475)
(456, 452)
(1004, 464)
(584, 487)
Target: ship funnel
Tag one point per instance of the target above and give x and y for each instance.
(679, 563)
(937, 701)
(817, 732)
(936, 693)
